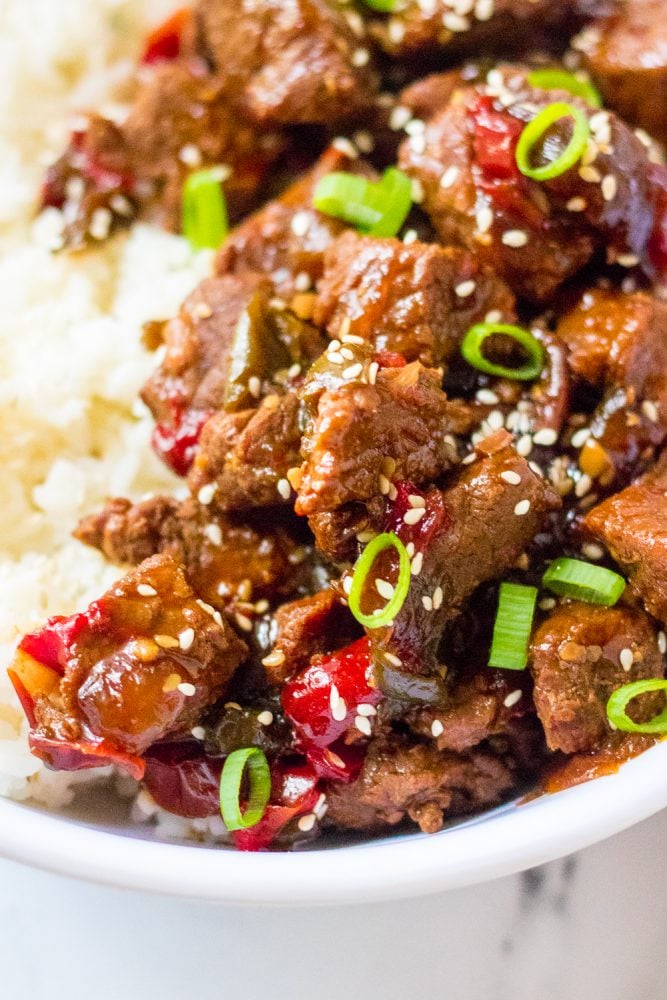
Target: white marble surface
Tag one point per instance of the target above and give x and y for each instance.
(591, 927)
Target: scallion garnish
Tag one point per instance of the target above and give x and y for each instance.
(376, 208)
(620, 699)
(252, 762)
(512, 627)
(536, 130)
(560, 79)
(584, 581)
(471, 349)
(205, 222)
(384, 6)
(383, 616)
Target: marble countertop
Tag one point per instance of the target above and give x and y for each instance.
(589, 927)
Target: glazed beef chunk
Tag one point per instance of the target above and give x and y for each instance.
(626, 54)
(304, 628)
(579, 656)
(633, 526)
(404, 298)
(140, 664)
(297, 61)
(287, 238)
(534, 235)
(402, 779)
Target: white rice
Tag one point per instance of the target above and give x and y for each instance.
(71, 361)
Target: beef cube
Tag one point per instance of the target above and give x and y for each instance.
(247, 455)
(578, 659)
(633, 526)
(402, 424)
(225, 558)
(303, 628)
(337, 532)
(403, 298)
(139, 665)
(287, 237)
(626, 53)
(402, 779)
(298, 62)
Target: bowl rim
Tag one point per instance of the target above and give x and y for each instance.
(522, 836)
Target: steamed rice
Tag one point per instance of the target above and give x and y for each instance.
(71, 360)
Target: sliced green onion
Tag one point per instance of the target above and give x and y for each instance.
(252, 762)
(619, 700)
(376, 208)
(534, 132)
(560, 79)
(512, 627)
(383, 616)
(384, 6)
(205, 223)
(471, 349)
(584, 581)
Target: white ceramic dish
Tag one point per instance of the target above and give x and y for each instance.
(506, 840)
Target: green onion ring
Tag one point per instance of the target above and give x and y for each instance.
(619, 700)
(375, 208)
(534, 131)
(259, 779)
(471, 349)
(384, 6)
(204, 210)
(384, 616)
(560, 79)
(584, 581)
(512, 626)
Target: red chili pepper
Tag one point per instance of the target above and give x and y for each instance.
(389, 359)
(657, 247)
(431, 524)
(164, 42)
(176, 443)
(68, 755)
(183, 779)
(294, 792)
(52, 644)
(495, 137)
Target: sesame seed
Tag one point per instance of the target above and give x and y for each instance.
(261, 606)
(336, 357)
(437, 598)
(373, 370)
(399, 118)
(486, 396)
(626, 658)
(334, 697)
(366, 710)
(522, 508)
(395, 661)
(493, 316)
(190, 155)
(662, 641)
(393, 493)
(545, 436)
(580, 437)
(363, 725)
(450, 176)
(360, 57)
(166, 641)
(609, 187)
(396, 30)
(340, 711)
(347, 584)
(484, 219)
(300, 223)
(513, 478)
(187, 689)
(590, 174)
(345, 147)
(512, 698)
(627, 260)
(233, 706)
(122, 206)
(198, 732)
(214, 534)
(582, 486)
(417, 189)
(353, 371)
(171, 683)
(465, 288)
(206, 493)
(484, 10)
(514, 238)
(364, 140)
(265, 718)
(243, 622)
(592, 551)
(186, 639)
(417, 144)
(427, 602)
(351, 338)
(416, 564)
(415, 500)
(384, 589)
(284, 488)
(334, 759)
(294, 371)
(547, 604)
(437, 728)
(384, 485)
(495, 420)
(254, 386)
(410, 237)
(100, 223)
(650, 410)
(455, 22)
(274, 659)
(577, 205)
(145, 590)
(524, 445)
(414, 515)
(415, 126)
(307, 822)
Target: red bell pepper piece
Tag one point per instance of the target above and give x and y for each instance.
(294, 792)
(164, 42)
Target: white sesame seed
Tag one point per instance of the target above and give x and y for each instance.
(373, 370)
(366, 709)
(166, 641)
(449, 177)
(254, 386)
(522, 508)
(363, 725)
(484, 10)
(100, 223)
(190, 155)
(513, 478)
(351, 338)
(609, 187)
(145, 590)
(484, 219)
(360, 57)
(399, 117)
(415, 500)
(626, 659)
(580, 437)
(416, 564)
(437, 598)
(395, 661)
(187, 689)
(662, 641)
(214, 534)
(545, 436)
(335, 357)
(577, 205)
(414, 515)
(415, 126)
(590, 174)
(307, 822)
(198, 732)
(514, 238)
(340, 711)
(334, 697)
(592, 551)
(284, 488)
(437, 728)
(627, 260)
(274, 658)
(334, 759)
(486, 396)
(524, 445)
(347, 584)
(465, 288)
(345, 147)
(512, 698)
(186, 639)
(384, 589)
(206, 493)
(495, 420)
(650, 410)
(300, 223)
(364, 140)
(455, 22)
(233, 706)
(582, 486)
(417, 144)
(427, 602)
(396, 30)
(265, 718)
(547, 604)
(122, 206)
(353, 371)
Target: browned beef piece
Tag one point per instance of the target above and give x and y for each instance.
(224, 558)
(121, 168)
(403, 298)
(402, 779)
(626, 54)
(424, 29)
(618, 342)
(578, 659)
(534, 235)
(472, 532)
(403, 422)
(337, 532)
(298, 62)
(310, 625)
(287, 237)
(633, 526)
(141, 664)
(247, 455)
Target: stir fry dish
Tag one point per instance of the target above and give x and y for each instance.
(419, 405)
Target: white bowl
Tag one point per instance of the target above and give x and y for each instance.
(505, 840)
